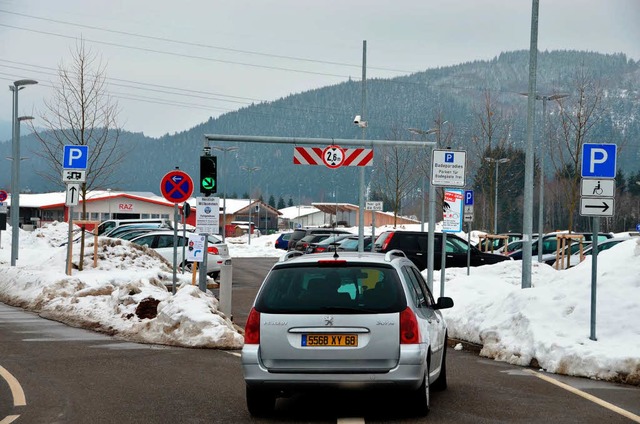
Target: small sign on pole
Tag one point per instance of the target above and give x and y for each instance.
(208, 215)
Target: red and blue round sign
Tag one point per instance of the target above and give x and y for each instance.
(176, 186)
(3, 195)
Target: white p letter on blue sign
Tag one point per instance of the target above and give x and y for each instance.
(75, 157)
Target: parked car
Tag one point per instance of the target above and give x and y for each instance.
(121, 229)
(414, 245)
(108, 225)
(350, 244)
(494, 244)
(283, 241)
(304, 242)
(359, 321)
(328, 244)
(300, 233)
(162, 242)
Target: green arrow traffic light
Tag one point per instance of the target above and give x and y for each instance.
(208, 174)
(208, 183)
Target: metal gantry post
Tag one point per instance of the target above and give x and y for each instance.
(527, 219)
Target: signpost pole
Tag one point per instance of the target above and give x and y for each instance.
(184, 235)
(175, 246)
(594, 275)
(443, 262)
(67, 267)
(202, 275)
(468, 247)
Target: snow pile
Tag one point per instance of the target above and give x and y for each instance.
(549, 325)
(126, 295)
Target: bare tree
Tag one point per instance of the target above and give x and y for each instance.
(397, 176)
(81, 112)
(578, 115)
(492, 134)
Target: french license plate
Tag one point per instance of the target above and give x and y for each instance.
(329, 340)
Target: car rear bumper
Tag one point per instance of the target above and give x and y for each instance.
(407, 374)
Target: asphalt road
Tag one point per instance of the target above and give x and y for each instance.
(68, 375)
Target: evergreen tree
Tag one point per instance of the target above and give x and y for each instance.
(272, 201)
(290, 203)
(281, 204)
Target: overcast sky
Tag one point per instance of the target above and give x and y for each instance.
(171, 65)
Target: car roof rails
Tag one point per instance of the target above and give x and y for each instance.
(395, 253)
(290, 255)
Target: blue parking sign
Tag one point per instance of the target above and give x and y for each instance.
(599, 160)
(75, 157)
(468, 197)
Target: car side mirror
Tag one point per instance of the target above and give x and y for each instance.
(444, 303)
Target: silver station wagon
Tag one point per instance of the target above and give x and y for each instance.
(341, 321)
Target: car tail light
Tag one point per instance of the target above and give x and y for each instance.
(320, 249)
(385, 244)
(409, 331)
(252, 328)
(212, 250)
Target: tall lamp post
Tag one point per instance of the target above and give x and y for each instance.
(224, 151)
(251, 170)
(495, 202)
(15, 168)
(418, 131)
(541, 153)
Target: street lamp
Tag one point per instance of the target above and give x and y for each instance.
(15, 167)
(424, 176)
(541, 152)
(495, 202)
(251, 170)
(224, 150)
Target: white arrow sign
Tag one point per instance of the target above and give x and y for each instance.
(73, 194)
(602, 206)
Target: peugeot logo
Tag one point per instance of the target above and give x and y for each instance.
(328, 320)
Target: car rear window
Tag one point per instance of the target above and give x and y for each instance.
(354, 288)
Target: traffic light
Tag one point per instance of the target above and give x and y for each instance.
(208, 174)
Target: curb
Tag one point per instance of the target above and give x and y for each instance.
(468, 346)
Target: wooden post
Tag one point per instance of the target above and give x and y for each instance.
(194, 272)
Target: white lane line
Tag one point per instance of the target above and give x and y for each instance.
(9, 419)
(350, 420)
(596, 400)
(239, 355)
(16, 389)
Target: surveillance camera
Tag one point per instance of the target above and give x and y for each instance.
(357, 119)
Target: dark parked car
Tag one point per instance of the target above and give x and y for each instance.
(299, 233)
(283, 241)
(329, 244)
(414, 245)
(350, 244)
(302, 244)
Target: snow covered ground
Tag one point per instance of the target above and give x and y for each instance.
(547, 326)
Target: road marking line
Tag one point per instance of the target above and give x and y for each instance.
(588, 396)
(9, 419)
(235, 354)
(16, 389)
(346, 421)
